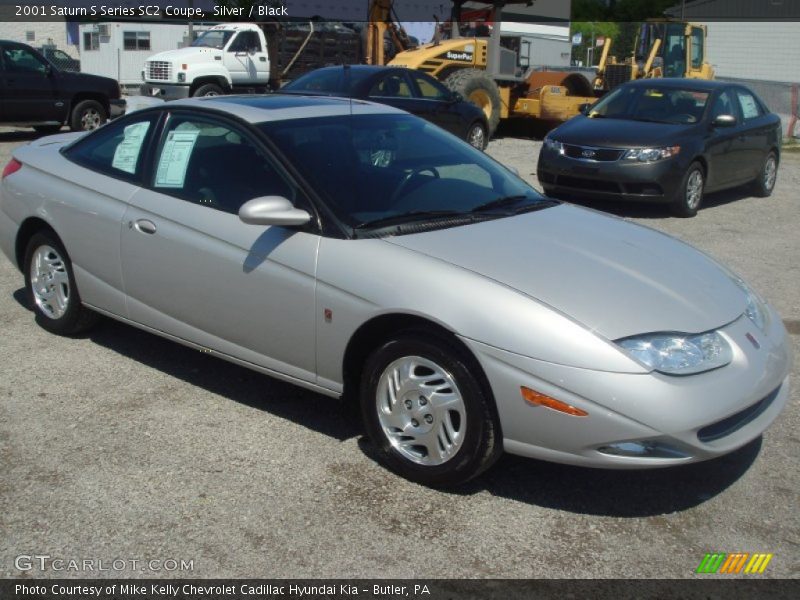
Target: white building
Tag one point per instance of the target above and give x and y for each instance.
(119, 50)
(41, 33)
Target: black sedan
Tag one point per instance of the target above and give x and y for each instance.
(667, 140)
(406, 89)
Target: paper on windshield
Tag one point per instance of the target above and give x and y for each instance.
(171, 172)
(127, 153)
(749, 108)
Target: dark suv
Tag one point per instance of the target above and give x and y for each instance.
(35, 93)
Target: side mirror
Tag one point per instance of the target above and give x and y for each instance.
(584, 108)
(724, 121)
(48, 70)
(272, 210)
(456, 97)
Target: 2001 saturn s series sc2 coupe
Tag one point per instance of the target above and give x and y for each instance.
(354, 249)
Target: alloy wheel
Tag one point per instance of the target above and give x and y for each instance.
(50, 282)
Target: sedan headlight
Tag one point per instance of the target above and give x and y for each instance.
(756, 309)
(651, 154)
(552, 144)
(679, 354)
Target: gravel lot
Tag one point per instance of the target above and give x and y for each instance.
(121, 445)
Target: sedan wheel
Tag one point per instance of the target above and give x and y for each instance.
(477, 136)
(51, 289)
(765, 182)
(427, 412)
(689, 195)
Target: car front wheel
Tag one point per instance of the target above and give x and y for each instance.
(689, 195)
(429, 416)
(88, 115)
(50, 287)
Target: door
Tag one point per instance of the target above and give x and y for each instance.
(436, 101)
(696, 51)
(193, 270)
(246, 59)
(725, 145)
(31, 86)
(756, 129)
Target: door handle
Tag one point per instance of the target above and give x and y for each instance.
(145, 226)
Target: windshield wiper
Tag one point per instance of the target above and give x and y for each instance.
(414, 215)
(501, 202)
(646, 120)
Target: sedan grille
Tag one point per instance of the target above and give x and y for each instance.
(159, 70)
(589, 153)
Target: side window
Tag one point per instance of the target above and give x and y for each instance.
(394, 85)
(246, 41)
(697, 47)
(211, 164)
(749, 105)
(116, 149)
(723, 105)
(20, 60)
(430, 90)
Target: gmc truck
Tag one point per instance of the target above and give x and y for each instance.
(247, 58)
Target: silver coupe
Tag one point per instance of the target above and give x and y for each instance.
(359, 251)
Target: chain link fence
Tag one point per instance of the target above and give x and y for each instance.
(780, 97)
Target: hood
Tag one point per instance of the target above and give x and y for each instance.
(184, 54)
(616, 278)
(618, 133)
(96, 81)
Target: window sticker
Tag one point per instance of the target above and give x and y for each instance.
(171, 172)
(749, 108)
(127, 152)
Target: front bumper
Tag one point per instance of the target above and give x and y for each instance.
(116, 108)
(563, 176)
(165, 91)
(699, 416)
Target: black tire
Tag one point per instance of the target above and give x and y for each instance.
(472, 82)
(685, 203)
(47, 129)
(481, 441)
(477, 136)
(763, 184)
(208, 89)
(87, 115)
(76, 318)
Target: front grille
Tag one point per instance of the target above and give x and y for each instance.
(616, 75)
(729, 425)
(590, 153)
(159, 70)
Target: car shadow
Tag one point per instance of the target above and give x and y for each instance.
(634, 493)
(659, 211)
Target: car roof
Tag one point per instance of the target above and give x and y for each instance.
(258, 108)
(700, 85)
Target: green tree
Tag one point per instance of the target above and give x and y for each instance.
(599, 28)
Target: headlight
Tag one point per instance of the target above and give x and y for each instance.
(679, 354)
(552, 144)
(755, 310)
(651, 154)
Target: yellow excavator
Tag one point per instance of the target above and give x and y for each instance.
(663, 49)
(475, 64)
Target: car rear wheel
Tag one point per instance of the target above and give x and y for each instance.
(476, 136)
(429, 416)
(765, 182)
(50, 287)
(689, 195)
(87, 115)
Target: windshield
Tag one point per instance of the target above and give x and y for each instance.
(213, 38)
(659, 105)
(391, 169)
